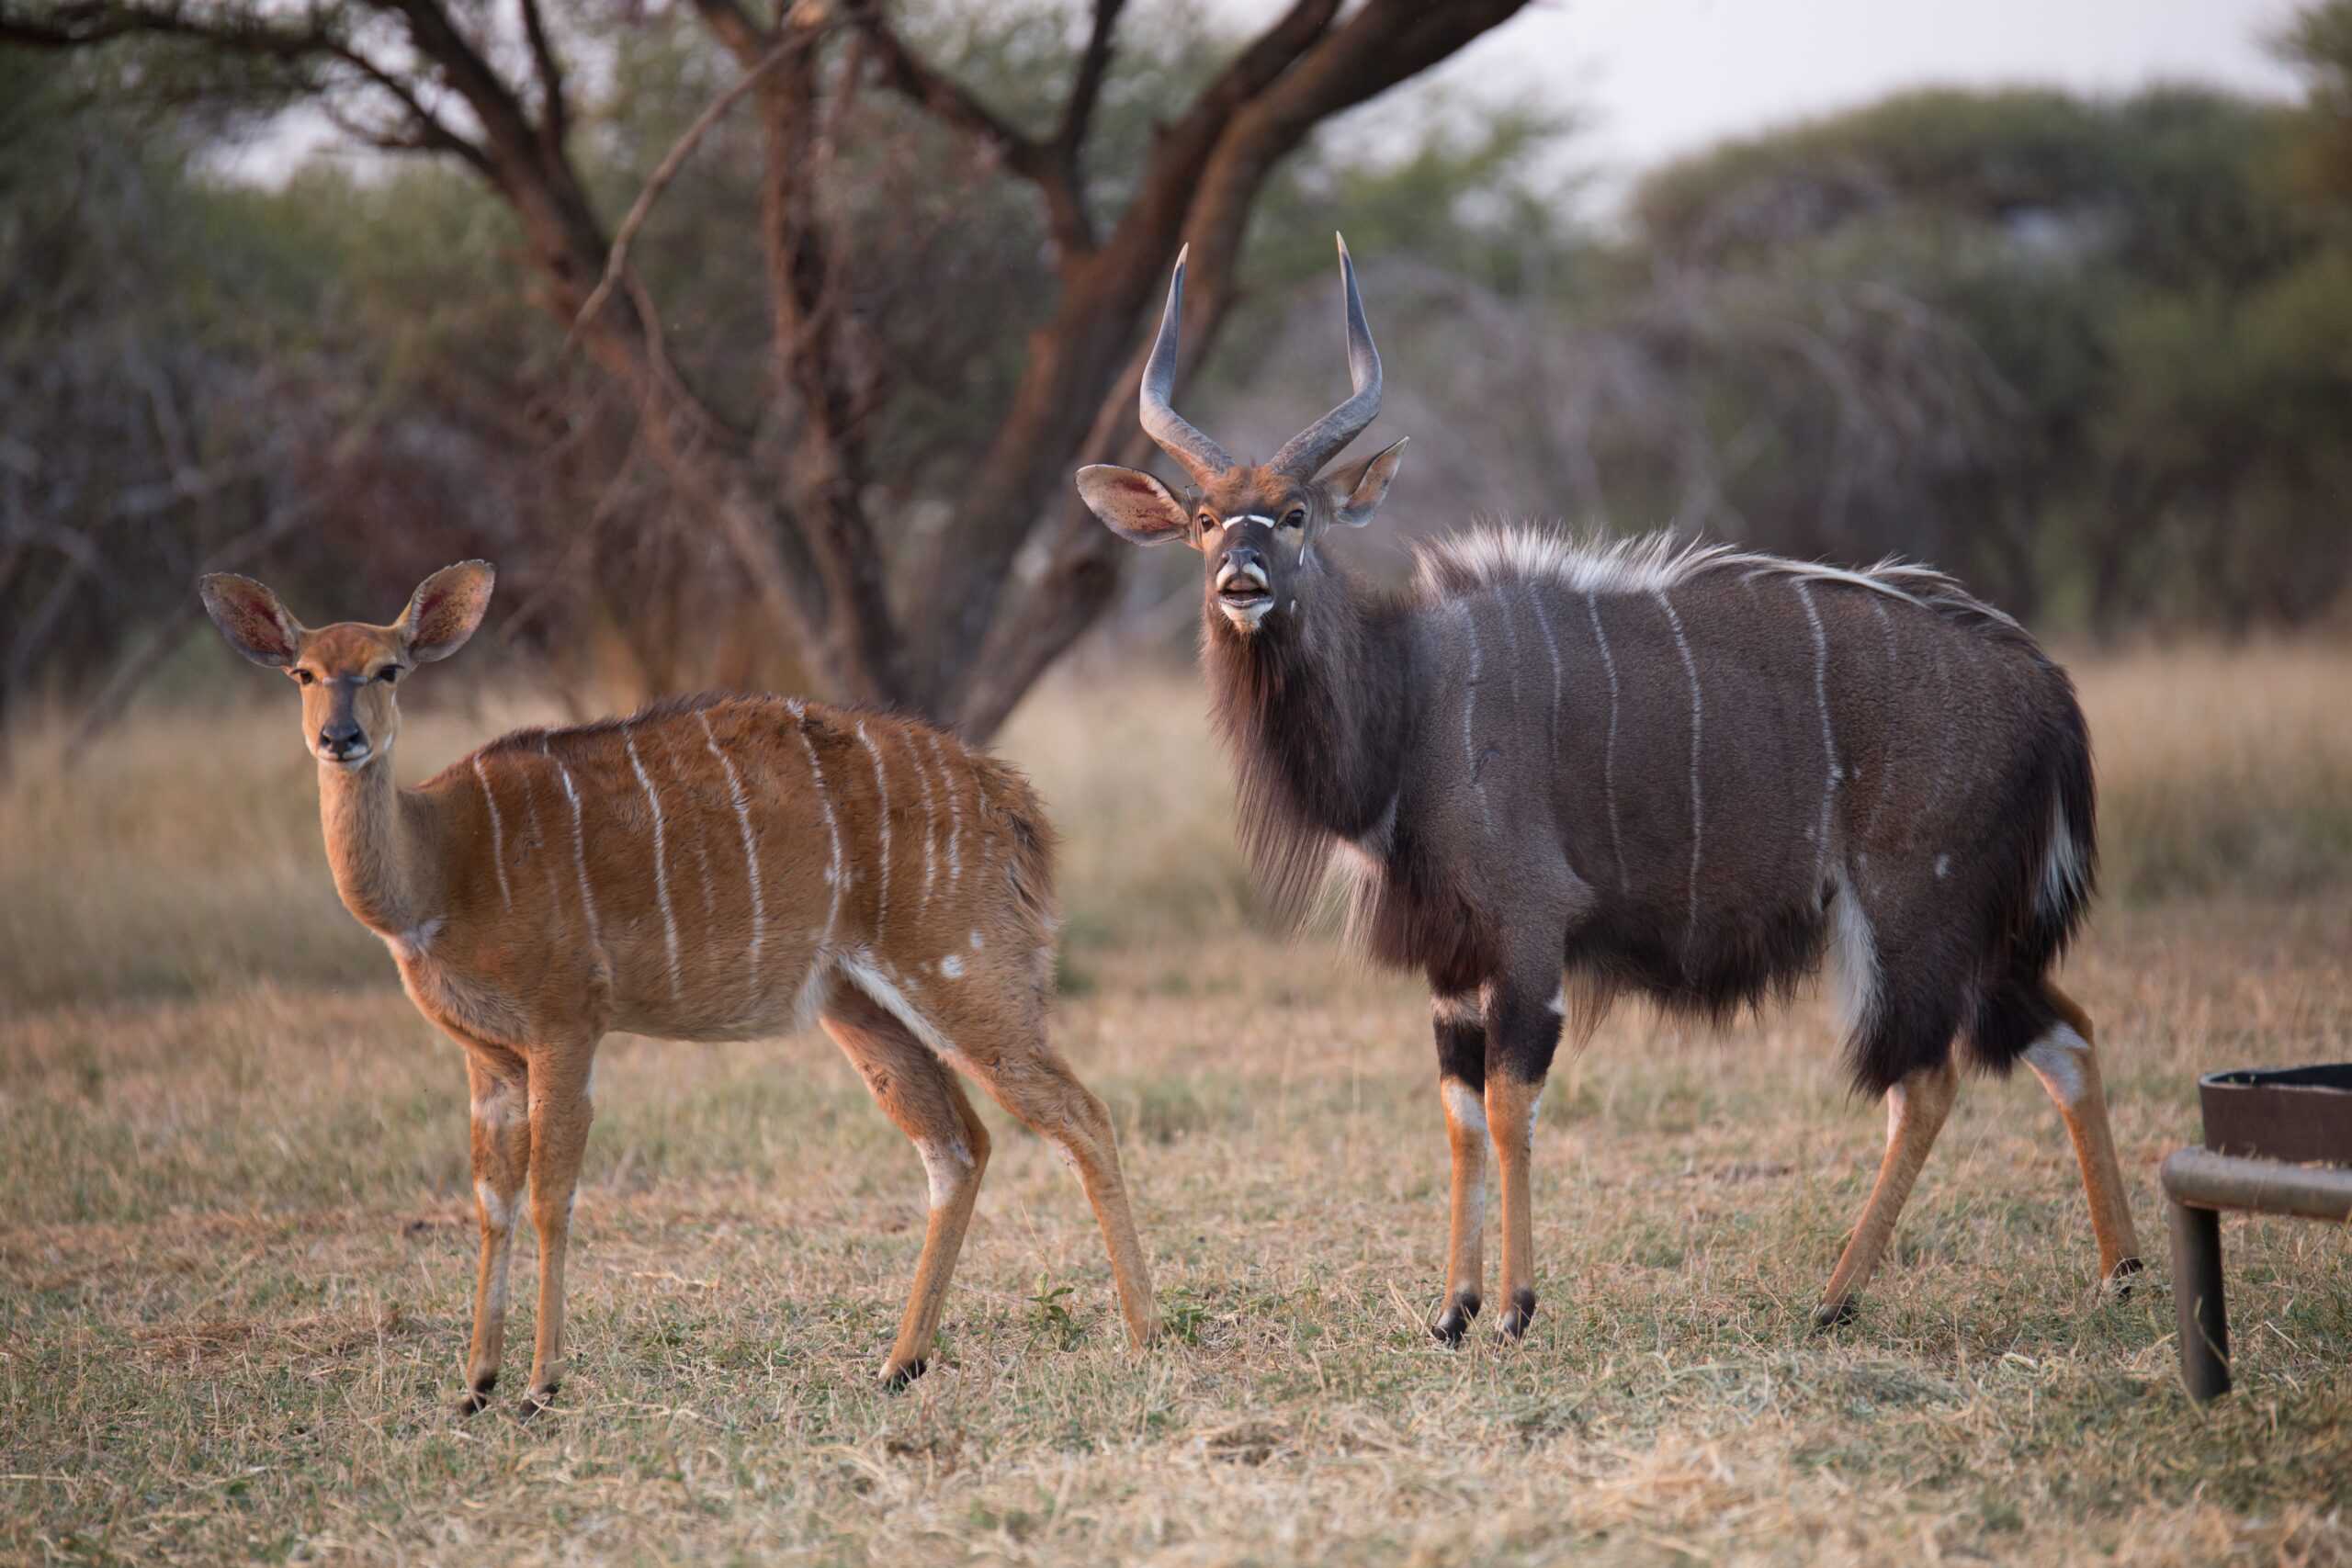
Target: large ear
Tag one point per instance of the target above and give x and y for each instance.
(445, 610)
(1136, 507)
(253, 620)
(1358, 489)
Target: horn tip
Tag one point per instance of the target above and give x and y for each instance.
(1183, 251)
(1343, 245)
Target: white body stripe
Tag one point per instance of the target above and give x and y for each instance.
(497, 838)
(1551, 646)
(1470, 715)
(580, 854)
(954, 811)
(661, 859)
(750, 850)
(1828, 735)
(1698, 715)
(834, 870)
(1608, 746)
(1886, 761)
(1854, 948)
(882, 813)
(930, 824)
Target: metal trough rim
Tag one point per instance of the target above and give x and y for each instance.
(2204, 1179)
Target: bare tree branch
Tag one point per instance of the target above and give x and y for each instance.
(663, 173)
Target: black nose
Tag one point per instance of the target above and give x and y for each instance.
(1244, 556)
(340, 737)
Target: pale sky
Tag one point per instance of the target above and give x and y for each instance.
(1661, 78)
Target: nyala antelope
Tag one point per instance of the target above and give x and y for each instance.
(1684, 771)
(715, 868)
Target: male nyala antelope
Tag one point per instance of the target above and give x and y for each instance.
(1684, 771)
(716, 868)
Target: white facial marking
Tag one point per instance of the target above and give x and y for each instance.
(1609, 748)
(1697, 820)
(661, 859)
(882, 811)
(944, 1166)
(2058, 1059)
(751, 848)
(1238, 518)
(497, 838)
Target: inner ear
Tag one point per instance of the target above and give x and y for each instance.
(445, 610)
(1132, 504)
(1357, 490)
(252, 619)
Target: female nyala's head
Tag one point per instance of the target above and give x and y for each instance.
(348, 671)
(1256, 525)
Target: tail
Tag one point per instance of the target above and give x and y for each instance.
(2054, 872)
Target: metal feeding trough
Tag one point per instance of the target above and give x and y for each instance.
(2276, 1142)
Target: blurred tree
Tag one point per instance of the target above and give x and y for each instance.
(857, 228)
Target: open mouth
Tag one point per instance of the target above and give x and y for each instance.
(1241, 592)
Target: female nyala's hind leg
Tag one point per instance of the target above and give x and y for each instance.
(1915, 1108)
(1523, 1033)
(2067, 1061)
(915, 1091)
(1462, 1089)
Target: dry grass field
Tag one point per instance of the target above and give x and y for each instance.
(236, 1229)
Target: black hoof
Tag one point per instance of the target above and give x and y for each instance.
(1454, 1321)
(899, 1376)
(2118, 1284)
(477, 1399)
(1834, 1315)
(1514, 1322)
(536, 1401)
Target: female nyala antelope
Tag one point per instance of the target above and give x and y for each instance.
(1683, 771)
(716, 868)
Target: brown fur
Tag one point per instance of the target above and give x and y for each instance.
(716, 867)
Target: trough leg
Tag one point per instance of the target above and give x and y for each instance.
(2197, 1297)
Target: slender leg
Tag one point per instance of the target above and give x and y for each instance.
(1462, 1089)
(561, 1114)
(502, 1155)
(1523, 1033)
(2067, 1061)
(919, 1094)
(2197, 1297)
(1915, 1108)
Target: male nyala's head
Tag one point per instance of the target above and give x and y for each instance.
(348, 671)
(1257, 525)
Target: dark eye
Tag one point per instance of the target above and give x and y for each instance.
(389, 673)
(304, 676)
(1295, 518)
(1208, 521)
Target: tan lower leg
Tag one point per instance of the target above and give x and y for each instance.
(501, 1151)
(561, 1115)
(2067, 1061)
(1094, 1148)
(1466, 1134)
(1915, 1108)
(1510, 1121)
(954, 1173)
